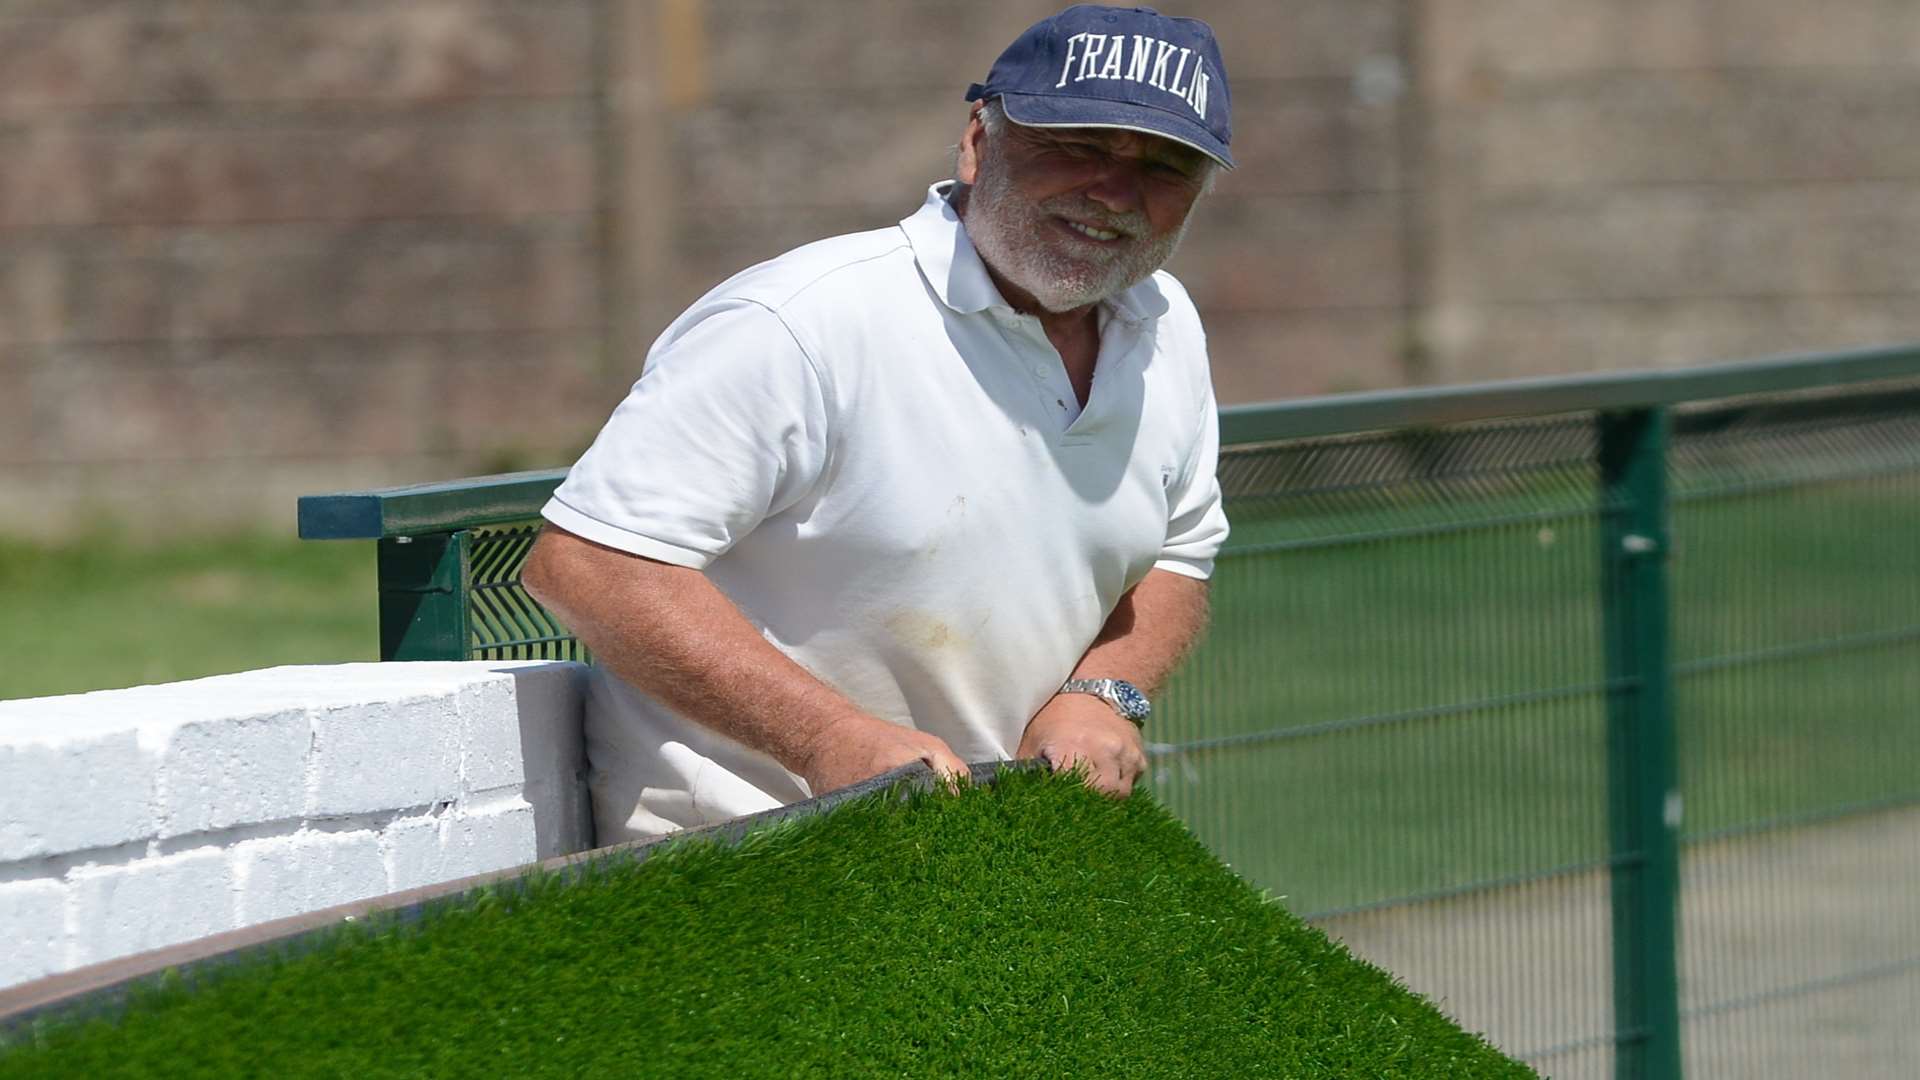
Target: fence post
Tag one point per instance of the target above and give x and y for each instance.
(1642, 773)
(423, 596)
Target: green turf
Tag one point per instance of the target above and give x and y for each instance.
(1028, 929)
(98, 612)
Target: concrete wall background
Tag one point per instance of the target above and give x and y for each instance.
(135, 819)
(256, 248)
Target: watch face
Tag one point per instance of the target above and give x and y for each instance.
(1132, 702)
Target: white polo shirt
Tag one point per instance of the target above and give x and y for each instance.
(884, 466)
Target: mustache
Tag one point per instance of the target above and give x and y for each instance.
(1091, 213)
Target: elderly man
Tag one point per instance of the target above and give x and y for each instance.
(942, 492)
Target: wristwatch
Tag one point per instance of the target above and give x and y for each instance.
(1126, 699)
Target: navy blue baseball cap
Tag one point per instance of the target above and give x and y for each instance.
(1113, 67)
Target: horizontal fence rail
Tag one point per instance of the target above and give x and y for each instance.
(1586, 705)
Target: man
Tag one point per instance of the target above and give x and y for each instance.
(942, 492)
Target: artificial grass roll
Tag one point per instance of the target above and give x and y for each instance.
(1029, 928)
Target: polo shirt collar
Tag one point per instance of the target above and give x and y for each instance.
(953, 268)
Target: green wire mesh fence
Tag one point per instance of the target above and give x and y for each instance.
(1405, 721)
(506, 623)
(1797, 685)
(1589, 707)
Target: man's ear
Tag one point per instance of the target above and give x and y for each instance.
(966, 168)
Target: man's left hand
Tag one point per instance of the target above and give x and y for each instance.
(1075, 728)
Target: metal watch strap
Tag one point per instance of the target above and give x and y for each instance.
(1123, 696)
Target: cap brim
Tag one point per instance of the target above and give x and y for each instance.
(1055, 110)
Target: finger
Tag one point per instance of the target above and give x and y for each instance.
(1115, 775)
(1066, 760)
(950, 769)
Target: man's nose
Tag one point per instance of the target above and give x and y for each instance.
(1118, 187)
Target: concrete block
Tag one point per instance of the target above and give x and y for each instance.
(1316, 138)
(1653, 242)
(233, 770)
(496, 838)
(289, 875)
(429, 850)
(549, 699)
(150, 903)
(473, 277)
(280, 398)
(1695, 127)
(33, 918)
(269, 282)
(1264, 254)
(1307, 39)
(1474, 44)
(1506, 341)
(396, 54)
(385, 754)
(114, 403)
(18, 438)
(387, 168)
(1783, 33)
(1265, 356)
(112, 290)
(28, 308)
(744, 44)
(410, 850)
(744, 153)
(531, 391)
(490, 752)
(776, 47)
(67, 786)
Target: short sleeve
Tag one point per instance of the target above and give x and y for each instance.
(726, 426)
(1197, 522)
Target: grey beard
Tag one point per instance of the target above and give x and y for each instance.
(1008, 233)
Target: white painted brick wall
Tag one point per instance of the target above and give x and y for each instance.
(490, 754)
(424, 850)
(133, 819)
(381, 755)
(286, 875)
(36, 913)
(148, 903)
(85, 789)
(220, 773)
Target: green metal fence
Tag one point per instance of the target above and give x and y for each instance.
(1588, 706)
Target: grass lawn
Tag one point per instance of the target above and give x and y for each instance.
(99, 613)
(1027, 929)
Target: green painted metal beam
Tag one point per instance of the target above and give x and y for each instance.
(1644, 807)
(427, 508)
(492, 500)
(425, 612)
(1341, 414)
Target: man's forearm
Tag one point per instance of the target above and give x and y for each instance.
(1144, 639)
(1150, 631)
(667, 630)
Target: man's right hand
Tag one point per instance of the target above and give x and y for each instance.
(857, 748)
